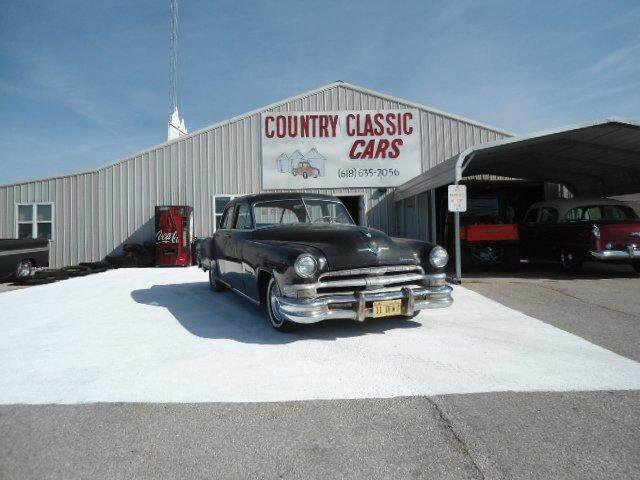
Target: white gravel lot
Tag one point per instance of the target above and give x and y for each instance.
(160, 335)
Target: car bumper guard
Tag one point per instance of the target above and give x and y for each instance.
(359, 306)
(631, 253)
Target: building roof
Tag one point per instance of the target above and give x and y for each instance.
(275, 106)
(313, 154)
(597, 159)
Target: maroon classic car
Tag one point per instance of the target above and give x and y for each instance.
(578, 230)
(306, 170)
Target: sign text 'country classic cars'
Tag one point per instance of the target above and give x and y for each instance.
(340, 149)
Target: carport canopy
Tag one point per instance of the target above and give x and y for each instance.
(597, 159)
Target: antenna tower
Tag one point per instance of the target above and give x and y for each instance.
(176, 126)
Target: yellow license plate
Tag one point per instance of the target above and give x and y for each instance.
(387, 308)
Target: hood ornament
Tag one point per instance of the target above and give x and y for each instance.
(373, 248)
(365, 232)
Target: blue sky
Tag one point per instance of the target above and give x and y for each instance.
(84, 83)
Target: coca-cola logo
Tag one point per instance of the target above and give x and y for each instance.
(166, 237)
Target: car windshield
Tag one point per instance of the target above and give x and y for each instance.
(600, 212)
(308, 210)
(481, 208)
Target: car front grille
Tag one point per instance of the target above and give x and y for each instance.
(369, 279)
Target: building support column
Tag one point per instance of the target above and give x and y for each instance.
(458, 277)
(433, 215)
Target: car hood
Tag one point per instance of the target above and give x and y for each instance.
(344, 246)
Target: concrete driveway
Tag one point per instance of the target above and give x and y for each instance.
(113, 375)
(160, 335)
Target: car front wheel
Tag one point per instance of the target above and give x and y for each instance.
(24, 270)
(214, 282)
(272, 305)
(570, 262)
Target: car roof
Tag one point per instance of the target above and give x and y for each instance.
(563, 205)
(567, 203)
(265, 197)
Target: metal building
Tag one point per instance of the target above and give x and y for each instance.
(92, 214)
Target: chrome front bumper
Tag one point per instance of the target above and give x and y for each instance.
(359, 306)
(632, 252)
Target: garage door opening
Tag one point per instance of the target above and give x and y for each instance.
(355, 206)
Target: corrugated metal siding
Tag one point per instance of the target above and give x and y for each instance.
(97, 212)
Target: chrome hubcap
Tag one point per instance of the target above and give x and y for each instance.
(24, 269)
(276, 315)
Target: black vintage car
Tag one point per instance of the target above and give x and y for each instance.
(18, 257)
(305, 260)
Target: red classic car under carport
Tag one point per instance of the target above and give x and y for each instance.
(596, 159)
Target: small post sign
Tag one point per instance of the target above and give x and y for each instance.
(457, 198)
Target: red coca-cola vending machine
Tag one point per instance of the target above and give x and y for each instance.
(174, 231)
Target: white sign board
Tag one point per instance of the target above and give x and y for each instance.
(340, 149)
(457, 198)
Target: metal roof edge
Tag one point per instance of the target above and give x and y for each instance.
(420, 106)
(553, 131)
(242, 116)
(459, 166)
(183, 137)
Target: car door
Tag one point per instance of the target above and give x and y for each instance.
(222, 242)
(529, 233)
(242, 229)
(548, 233)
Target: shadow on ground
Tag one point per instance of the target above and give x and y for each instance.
(226, 315)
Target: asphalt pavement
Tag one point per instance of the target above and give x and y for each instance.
(600, 304)
(559, 435)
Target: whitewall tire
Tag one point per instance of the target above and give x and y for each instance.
(272, 305)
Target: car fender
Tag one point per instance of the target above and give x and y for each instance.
(421, 249)
(277, 259)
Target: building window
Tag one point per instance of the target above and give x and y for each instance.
(34, 220)
(219, 203)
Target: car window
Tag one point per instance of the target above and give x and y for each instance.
(593, 213)
(575, 215)
(548, 215)
(618, 212)
(227, 217)
(532, 215)
(243, 218)
(275, 212)
(483, 206)
(329, 212)
(586, 213)
(271, 214)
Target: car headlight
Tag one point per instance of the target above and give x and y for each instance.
(306, 265)
(438, 257)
